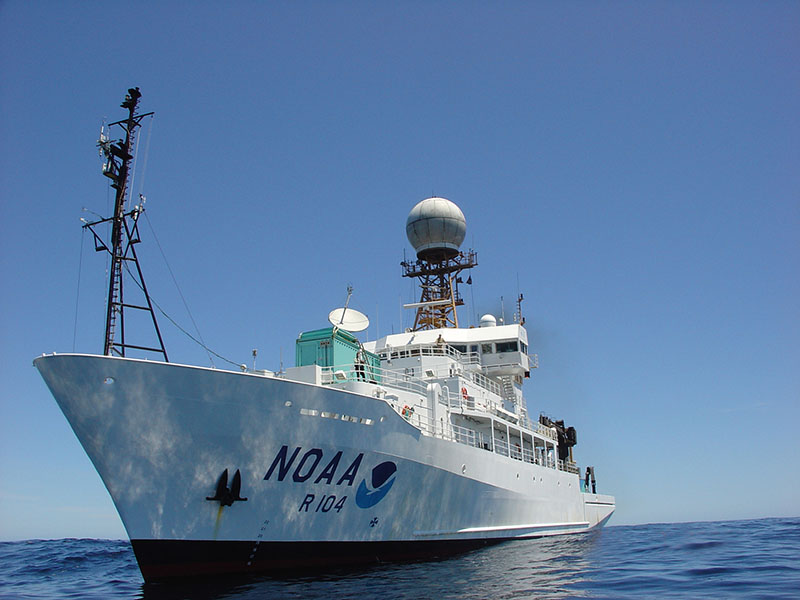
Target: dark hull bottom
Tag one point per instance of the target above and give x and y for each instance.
(161, 560)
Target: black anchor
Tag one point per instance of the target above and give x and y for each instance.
(225, 496)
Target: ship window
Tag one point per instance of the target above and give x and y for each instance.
(310, 412)
(524, 347)
(507, 346)
(486, 348)
(474, 348)
(460, 347)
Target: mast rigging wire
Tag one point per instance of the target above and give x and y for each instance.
(146, 155)
(171, 320)
(78, 290)
(129, 190)
(180, 293)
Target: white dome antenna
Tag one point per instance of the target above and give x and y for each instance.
(436, 227)
(488, 321)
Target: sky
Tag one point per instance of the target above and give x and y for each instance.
(631, 168)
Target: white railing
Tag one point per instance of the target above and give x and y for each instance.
(545, 431)
(398, 352)
(420, 416)
(383, 377)
(467, 436)
(481, 380)
(528, 456)
(501, 447)
(569, 467)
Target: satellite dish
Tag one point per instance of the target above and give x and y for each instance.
(348, 319)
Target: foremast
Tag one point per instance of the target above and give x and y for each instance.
(124, 235)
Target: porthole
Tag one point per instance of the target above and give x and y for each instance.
(108, 380)
(463, 469)
(288, 403)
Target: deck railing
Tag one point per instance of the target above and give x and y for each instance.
(397, 352)
(421, 418)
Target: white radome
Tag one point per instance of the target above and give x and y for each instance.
(436, 226)
(488, 321)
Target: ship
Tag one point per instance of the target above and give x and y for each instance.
(413, 446)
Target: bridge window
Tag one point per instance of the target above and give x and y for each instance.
(507, 346)
(486, 348)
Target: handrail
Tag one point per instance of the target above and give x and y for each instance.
(409, 350)
(421, 417)
(384, 377)
(484, 382)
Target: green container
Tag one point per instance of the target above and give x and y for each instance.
(327, 348)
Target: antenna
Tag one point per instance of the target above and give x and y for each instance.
(436, 228)
(124, 232)
(346, 318)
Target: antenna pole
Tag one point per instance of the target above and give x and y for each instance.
(124, 231)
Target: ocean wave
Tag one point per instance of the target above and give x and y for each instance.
(733, 559)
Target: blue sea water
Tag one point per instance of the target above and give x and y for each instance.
(726, 559)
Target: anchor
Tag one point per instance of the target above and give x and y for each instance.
(225, 496)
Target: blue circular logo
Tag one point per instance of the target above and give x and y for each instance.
(382, 479)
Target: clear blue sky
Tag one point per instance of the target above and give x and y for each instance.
(632, 167)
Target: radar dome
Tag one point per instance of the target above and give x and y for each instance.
(436, 227)
(488, 321)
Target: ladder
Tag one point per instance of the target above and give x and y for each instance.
(509, 392)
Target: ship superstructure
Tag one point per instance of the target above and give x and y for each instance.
(417, 444)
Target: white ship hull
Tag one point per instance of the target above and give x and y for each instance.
(329, 476)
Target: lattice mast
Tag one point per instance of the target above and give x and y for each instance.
(436, 228)
(124, 234)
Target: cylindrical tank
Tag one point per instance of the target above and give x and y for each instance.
(436, 228)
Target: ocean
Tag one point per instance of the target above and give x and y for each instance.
(725, 559)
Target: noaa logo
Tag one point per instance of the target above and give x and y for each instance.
(382, 481)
